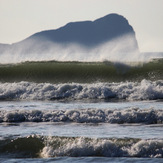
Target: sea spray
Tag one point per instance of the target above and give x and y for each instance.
(115, 50)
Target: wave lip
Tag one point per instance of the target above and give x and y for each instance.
(35, 146)
(132, 91)
(130, 115)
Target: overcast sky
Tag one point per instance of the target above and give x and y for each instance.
(22, 18)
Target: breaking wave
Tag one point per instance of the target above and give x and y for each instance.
(144, 90)
(130, 115)
(45, 146)
(81, 72)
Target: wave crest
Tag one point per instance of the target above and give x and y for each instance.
(131, 115)
(144, 90)
(47, 146)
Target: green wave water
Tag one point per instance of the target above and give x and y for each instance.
(81, 72)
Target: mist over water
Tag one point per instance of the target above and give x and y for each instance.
(122, 49)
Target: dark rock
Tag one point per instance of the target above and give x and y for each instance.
(88, 34)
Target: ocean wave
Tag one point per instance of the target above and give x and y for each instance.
(130, 115)
(78, 147)
(144, 90)
(48, 146)
(81, 72)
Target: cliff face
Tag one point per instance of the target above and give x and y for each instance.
(88, 34)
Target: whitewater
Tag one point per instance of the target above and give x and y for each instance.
(81, 93)
(81, 122)
(81, 111)
(131, 91)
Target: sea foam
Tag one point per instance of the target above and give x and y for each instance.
(82, 147)
(53, 146)
(132, 91)
(130, 115)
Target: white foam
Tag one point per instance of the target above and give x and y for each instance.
(81, 147)
(144, 90)
(147, 148)
(78, 147)
(130, 115)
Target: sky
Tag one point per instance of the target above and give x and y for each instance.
(21, 18)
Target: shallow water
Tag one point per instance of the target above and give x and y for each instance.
(84, 135)
(74, 122)
(85, 159)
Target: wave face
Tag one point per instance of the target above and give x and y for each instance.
(131, 91)
(81, 72)
(131, 115)
(46, 146)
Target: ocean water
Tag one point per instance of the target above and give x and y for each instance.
(63, 112)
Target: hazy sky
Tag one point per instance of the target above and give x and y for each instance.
(22, 18)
